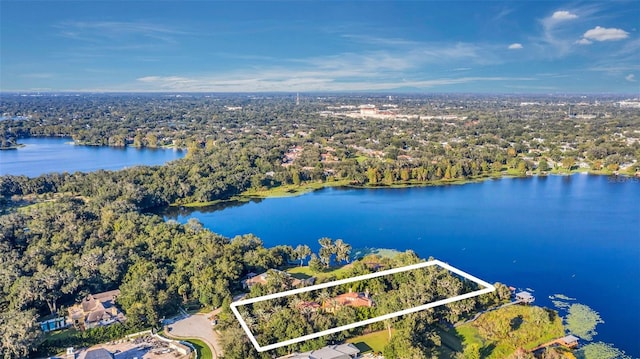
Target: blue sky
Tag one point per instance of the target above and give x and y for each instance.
(218, 46)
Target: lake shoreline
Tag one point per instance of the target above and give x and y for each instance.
(309, 187)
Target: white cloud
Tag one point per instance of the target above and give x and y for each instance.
(555, 33)
(605, 34)
(121, 32)
(38, 75)
(630, 78)
(584, 41)
(515, 46)
(286, 80)
(563, 15)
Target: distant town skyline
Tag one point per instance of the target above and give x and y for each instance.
(351, 46)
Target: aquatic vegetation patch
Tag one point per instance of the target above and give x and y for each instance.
(582, 321)
(561, 297)
(560, 304)
(600, 350)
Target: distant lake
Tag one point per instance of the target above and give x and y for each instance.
(574, 235)
(45, 155)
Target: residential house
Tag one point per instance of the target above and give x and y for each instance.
(342, 351)
(253, 279)
(310, 306)
(351, 299)
(355, 299)
(95, 310)
(99, 353)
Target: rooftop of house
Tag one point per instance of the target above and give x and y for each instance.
(99, 353)
(310, 305)
(342, 351)
(354, 299)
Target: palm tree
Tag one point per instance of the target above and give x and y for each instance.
(323, 297)
(295, 303)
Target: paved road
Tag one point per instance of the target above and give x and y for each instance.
(197, 326)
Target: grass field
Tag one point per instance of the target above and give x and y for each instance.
(202, 348)
(292, 190)
(372, 342)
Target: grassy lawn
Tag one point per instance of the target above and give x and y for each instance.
(292, 190)
(204, 352)
(380, 252)
(469, 335)
(202, 348)
(371, 342)
(61, 334)
(305, 272)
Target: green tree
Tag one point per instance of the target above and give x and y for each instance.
(315, 264)
(342, 250)
(19, 333)
(327, 249)
(543, 165)
(295, 177)
(302, 251)
(568, 162)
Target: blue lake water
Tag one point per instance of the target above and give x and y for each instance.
(574, 235)
(45, 155)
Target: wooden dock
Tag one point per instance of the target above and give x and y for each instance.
(568, 341)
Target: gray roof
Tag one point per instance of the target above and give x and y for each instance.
(342, 351)
(347, 349)
(569, 338)
(100, 353)
(328, 353)
(524, 295)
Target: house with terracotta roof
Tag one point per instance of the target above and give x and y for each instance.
(310, 306)
(354, 299)
(351, 299)
(96, 310)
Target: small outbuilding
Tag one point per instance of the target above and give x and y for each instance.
(525, 297)
(569, 341)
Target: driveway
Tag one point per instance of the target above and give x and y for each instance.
(199, 327)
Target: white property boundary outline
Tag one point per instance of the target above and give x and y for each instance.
(487, 289)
